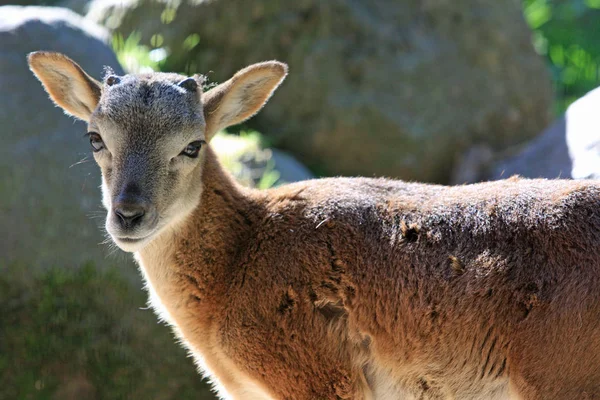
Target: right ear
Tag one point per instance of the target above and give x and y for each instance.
(67, 84)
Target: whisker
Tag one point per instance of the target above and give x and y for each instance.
(113, 251)
(83, 160)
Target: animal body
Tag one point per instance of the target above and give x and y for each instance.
(340, 288)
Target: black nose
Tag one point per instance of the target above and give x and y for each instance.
(130, 214)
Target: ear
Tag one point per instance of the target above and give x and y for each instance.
(67, 84)
(242, 96)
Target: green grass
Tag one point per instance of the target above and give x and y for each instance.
(86, 333)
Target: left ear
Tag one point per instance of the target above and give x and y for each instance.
(242, 96)
(66, 82)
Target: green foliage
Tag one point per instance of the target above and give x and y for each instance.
(74, 334)
(270, 176)
(566, 33)
(33, 2)
(245, 156)
(136, 57)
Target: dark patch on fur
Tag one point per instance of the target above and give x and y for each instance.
(500, 371)
(332, 311)
(487, 359)
(485, 339)
(410, 232)
(195, 298)
(112, 80)
(189, 84)
(312, 295)
(366, 342)
(288, 302)
(350, 293)
(147, 95)
(529, 299)
(423, 384)
(434, 315)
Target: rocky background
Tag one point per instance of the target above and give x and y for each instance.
(439, 91)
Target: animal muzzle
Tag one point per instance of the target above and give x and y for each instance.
(132, 216)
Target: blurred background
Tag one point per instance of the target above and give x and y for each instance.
(443, 91)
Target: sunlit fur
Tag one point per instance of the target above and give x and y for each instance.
(344, 288)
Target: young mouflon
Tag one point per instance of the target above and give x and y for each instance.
(339, 288)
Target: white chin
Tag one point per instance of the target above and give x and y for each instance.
(131, 245)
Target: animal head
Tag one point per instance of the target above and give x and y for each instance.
(148, 134)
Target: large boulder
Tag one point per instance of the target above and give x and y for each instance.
(583, 135)
(49, 188)
(546, 156)
(396, 88)
(569, 148)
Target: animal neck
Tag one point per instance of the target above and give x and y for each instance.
(199, 251)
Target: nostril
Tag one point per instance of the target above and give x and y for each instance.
(130, 214)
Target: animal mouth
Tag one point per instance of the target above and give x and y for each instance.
(133, 239)
(129, 240)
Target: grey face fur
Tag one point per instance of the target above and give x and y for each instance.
(145, 122)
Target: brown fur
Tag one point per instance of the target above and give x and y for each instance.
(355, 288)
(358, 294)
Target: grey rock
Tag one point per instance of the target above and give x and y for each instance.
(583, 135)
(469, 167)
(49, 187)
(270, 167)
(570, 148)
(79, 6)
(546, 156)
(255, 166)
(290, 169)
(394, 88)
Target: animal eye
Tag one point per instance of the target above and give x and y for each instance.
(192, 149)
(96, 141)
